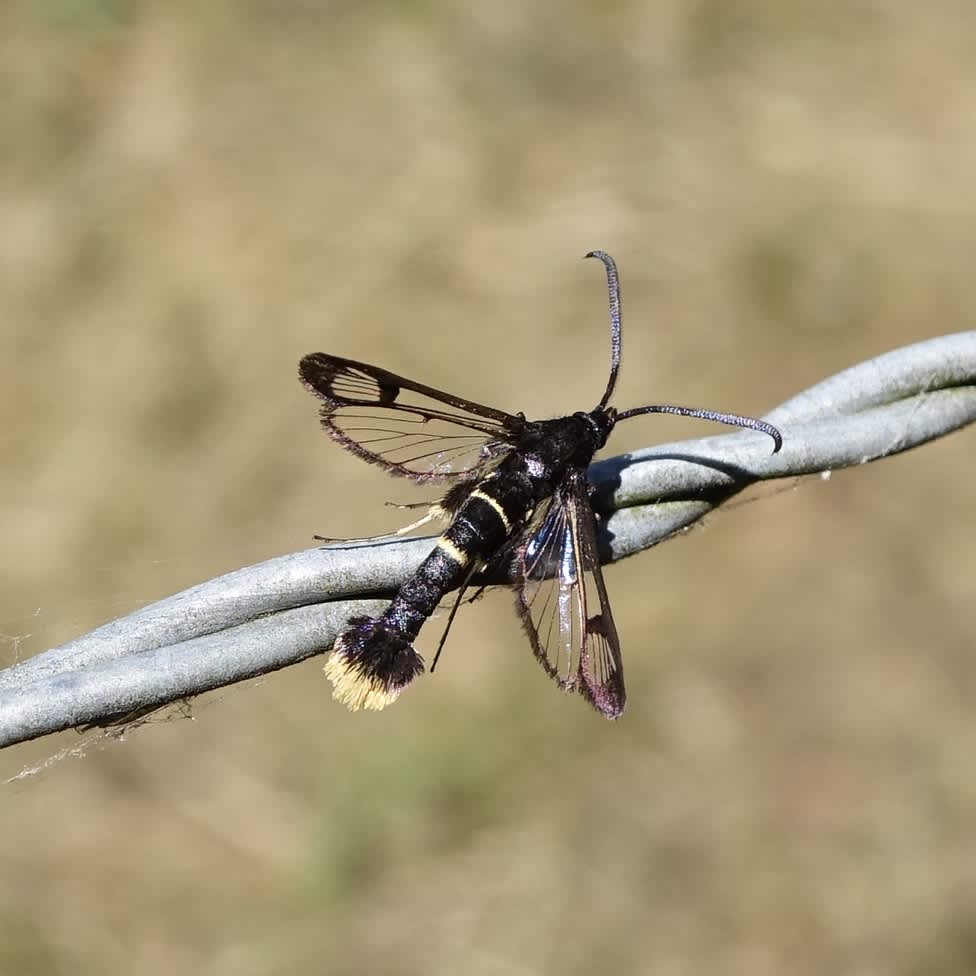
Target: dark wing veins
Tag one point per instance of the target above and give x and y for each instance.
(562, 599)
(410, 429)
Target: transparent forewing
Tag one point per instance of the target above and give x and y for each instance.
(410, 429)
(562, 600)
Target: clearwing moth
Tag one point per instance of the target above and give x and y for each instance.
(517, 502)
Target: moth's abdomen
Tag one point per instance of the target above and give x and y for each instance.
(373, 660)
(371, 663)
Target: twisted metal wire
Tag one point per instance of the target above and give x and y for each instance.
(264, 617)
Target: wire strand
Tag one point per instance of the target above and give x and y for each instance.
(265, 617)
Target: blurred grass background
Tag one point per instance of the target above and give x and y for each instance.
(192, 196)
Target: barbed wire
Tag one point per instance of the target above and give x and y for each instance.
(279, 612)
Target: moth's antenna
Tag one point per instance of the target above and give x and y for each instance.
(732, 419)
(613, 285)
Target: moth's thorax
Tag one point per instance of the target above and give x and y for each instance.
(548, 448)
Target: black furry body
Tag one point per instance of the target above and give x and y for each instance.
(486, 516)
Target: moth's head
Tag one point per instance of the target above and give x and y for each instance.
(601, 419)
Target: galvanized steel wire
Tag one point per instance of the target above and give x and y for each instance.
(264, 617)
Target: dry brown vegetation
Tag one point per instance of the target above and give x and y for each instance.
(194, 195)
